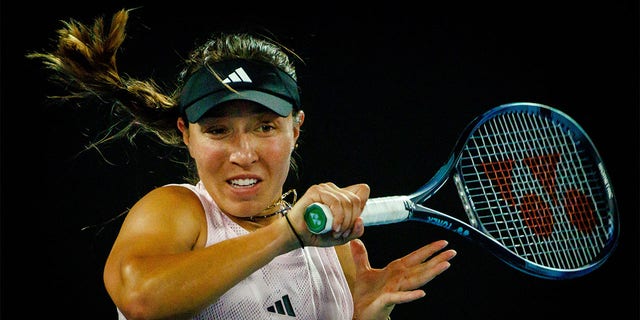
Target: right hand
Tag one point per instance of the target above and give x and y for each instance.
(346, 205)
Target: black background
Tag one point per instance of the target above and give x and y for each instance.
(386, 90)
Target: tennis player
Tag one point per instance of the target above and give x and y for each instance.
(231, 243)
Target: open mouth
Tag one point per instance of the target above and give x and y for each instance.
(243, 183)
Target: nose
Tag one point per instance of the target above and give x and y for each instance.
(243, 152)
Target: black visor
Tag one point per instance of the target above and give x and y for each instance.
(239, 79)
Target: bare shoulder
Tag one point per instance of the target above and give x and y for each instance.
(170, 199)
(171, 192)
(168, 212)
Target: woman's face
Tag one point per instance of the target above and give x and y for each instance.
(243, 153)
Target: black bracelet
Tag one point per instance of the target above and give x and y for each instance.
(286, 216)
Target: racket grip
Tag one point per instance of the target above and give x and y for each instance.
(383, 210)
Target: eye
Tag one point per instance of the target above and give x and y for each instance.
(266, 127)
(217, 130)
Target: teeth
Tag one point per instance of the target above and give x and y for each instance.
(243, 182)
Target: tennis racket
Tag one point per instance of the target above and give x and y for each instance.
(534, 188)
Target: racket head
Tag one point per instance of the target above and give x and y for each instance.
(531, 178)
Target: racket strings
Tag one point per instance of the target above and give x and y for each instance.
(512, 236)
(534, 190)
(559, 240)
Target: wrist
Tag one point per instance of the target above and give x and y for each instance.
(288, 241)
(293, 230)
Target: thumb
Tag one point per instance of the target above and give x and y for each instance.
(361, 190)
(360, 256)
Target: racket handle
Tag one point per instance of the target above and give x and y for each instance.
(383, 210)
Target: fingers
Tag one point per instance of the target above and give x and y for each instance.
(423, 253)
(421, 266)
(362, 191)
(404, 296)
(346, 205)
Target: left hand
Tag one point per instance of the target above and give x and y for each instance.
(377, 291)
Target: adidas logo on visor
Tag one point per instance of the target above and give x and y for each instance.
(282, 307)
(239, 75)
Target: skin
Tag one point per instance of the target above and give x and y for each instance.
(243, 153)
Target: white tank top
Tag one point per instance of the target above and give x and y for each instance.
(302, 284)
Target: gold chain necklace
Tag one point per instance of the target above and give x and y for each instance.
(284, 206)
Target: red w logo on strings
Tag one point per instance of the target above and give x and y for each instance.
(537, 213)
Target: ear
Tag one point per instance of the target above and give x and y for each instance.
(298, 119)
(184, 128)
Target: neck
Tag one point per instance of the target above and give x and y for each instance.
(262, 217)
(280, 204)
